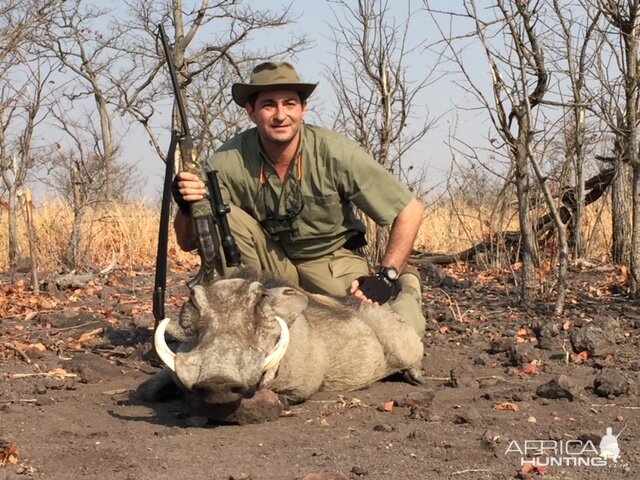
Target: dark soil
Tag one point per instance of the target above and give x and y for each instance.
(496, 376)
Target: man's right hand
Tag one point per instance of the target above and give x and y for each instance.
(187, 188)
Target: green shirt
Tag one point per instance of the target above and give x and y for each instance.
(312, 210)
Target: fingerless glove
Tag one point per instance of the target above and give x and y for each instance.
(376, 288)
(183, 205)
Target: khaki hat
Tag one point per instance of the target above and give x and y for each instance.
(271, 76)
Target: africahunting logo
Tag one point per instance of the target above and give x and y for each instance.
(569, 453)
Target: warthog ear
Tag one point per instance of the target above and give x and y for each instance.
(200, 301)
(285, 302)
(256, 293)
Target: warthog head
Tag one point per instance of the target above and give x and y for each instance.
(236, 338)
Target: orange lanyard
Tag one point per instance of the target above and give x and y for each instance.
(263, 175)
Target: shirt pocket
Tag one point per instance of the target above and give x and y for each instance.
(321, 215)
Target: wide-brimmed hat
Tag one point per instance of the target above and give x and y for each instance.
(271, 76)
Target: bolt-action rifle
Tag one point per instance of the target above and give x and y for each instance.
(209, 214)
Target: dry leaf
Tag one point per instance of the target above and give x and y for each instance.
(37, 347)
(626, 276)
(9, 454)
(582, 355)
(85, 337)
(506, 406)
(60, 373)
(527, 370)
(49, 303)
(356, 403)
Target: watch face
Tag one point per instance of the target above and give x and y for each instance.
(390, 272)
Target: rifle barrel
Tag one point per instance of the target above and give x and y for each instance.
(174, 80)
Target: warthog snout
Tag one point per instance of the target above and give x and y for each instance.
(223, 389)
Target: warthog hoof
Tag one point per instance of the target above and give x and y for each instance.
(413, 376)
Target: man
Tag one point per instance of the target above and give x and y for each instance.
(292, 187)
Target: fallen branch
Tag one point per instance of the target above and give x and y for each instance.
(117, 391)
(19, 352)
(55, 330)
(19, 400)
(109, 268)
(494, 377)
(74, 280)
(544, 226)
(605, 405)
(56, 373)
(471, 470)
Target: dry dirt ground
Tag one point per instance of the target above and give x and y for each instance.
(503, 385)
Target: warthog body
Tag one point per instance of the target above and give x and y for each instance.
(229, 329)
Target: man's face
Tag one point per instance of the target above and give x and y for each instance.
(278, 116)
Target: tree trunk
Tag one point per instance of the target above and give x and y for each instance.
(631, 140)
(72, 254)
(621, 206)
(107, 140)
(575, 239)
(379, 236)
(529, 258)
(15, 252)
(33, 253)
(635, 235)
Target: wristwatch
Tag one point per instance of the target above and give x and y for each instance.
(388, 273)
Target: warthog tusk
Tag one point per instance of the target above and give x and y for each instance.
(273, 359)
(160, 344)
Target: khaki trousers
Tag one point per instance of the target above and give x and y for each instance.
(330, 274)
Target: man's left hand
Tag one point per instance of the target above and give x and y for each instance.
(372, 289)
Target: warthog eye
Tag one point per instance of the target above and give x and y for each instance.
(260, 302)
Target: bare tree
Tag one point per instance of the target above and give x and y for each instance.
(519, 81)
(76, 172)
(624, 17)
(575, 53)
(18, 21)
(376, 96)
(88, 55)
(209, 66)
(23, 86)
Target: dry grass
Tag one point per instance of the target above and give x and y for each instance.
(454, 226)
(130, 232)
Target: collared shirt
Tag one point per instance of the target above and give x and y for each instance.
(330, 175)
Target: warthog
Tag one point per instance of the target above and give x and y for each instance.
(239, 335)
